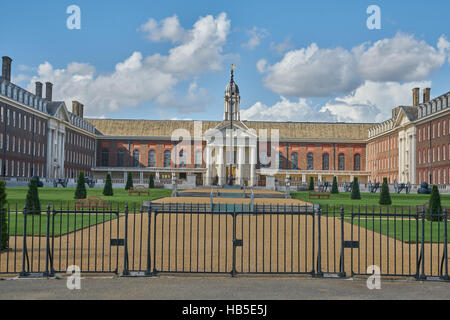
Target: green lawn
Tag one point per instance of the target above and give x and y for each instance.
(65, 197)
(370, 200)
(405, 230)
(64, 223)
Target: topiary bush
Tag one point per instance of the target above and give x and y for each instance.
(80, 192)
(311, 184)
(334, 187)
(32, 201)
(4, 240)
(151, 182)
(434, 212)
(108, 190)
(356, 195)
(129, 184)
(385, 196)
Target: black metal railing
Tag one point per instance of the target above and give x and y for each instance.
(326, 241)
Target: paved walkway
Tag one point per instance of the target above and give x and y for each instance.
(221, 288)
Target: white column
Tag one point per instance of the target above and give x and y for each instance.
(208, 165)
(49, 153)
(414, 158)
(241, 160)
(221, 166)
(141, 177)
(252, 165)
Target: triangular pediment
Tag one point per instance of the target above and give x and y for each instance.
(401, 119)
(235, 125)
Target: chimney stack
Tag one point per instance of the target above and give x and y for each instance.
(416, 93)
(77, 109)
(6, 68)
(48, 91)
(39, 89)
(426, 95)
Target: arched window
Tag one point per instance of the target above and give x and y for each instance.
(151, 159)
(120, 156)
(136, 158)
(294, 160)
(105, 157)
(341, 162)
(280, 160)
(325, 161)
(198, 158)
(357, 162)
(182, 159)
(310, 161)
(167, 159)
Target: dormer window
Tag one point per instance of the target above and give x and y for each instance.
(3, 88)
(25, 100)
(9, 91)
(21, 96)
(15, 94)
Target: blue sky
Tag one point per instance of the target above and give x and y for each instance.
(297, 60)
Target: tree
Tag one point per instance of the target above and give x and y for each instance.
(311, 184)
(4, 241)
(334, 187)
(80, 192)
(32, 202)
(129, 184)
(108, 190)
(434, 212)
(151, 183)
(355, 190)
(385, 197)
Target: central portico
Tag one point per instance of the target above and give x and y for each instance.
(231, 147)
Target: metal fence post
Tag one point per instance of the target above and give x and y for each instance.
(233, 270)
(148, 271)
(446, 277)
(319, 273)
(422, 248)
(125, 248)
(341, 261)
(47, 250)
(24, 273)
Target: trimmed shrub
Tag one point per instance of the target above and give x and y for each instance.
(355, 190)
(151, 182)
(385, 196)
(311, 184)
(434, 211)
(4, 241)
(80, 192)
(334, 187)
(108, 190)
(32, 201)
(129, 184)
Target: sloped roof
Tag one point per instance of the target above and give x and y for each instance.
(287, 130)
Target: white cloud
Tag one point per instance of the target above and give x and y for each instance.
(153, 78)
(317, 72)
(373, 101)
(313, 72)
(255, 36)
(282, 47)
(402, 58)
(285, 110)
(168, 29)
(261, 65)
